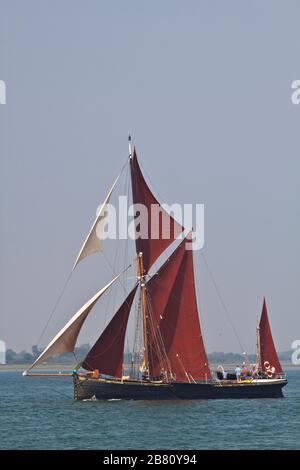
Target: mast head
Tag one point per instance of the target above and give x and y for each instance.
(129, 145)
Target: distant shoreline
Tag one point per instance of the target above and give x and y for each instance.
(69, 367)
(23, 367)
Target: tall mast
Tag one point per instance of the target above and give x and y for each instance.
(129, 145)
(258, 346)
(142, 282)
(141, 278)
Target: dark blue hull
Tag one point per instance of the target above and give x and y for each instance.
(108, 389)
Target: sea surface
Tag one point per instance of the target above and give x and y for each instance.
(39, 413)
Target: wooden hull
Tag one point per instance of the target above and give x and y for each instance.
(87, 388)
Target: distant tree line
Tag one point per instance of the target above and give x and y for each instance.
(25, 357)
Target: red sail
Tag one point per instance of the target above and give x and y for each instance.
(155, 228)
(174, 311)
(268, 354)
(107, 353)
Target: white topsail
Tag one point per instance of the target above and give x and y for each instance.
(65, 339)
(93, 241)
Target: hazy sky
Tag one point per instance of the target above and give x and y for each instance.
(205, 88)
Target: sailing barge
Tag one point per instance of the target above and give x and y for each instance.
(172, 361)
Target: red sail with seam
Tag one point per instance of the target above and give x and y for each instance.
(174, 311)
(268, 354)
(107, 353)
(155, 228)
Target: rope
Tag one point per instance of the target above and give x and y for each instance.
(67, 282)
(126, 269)
(209, 271)
(55, 307)
(137, 341)
(122, 323)
(61, 393)
(158, 342)
(166, 253)
(201, 315)
(222, 302)
(125, 260)
(116, 255)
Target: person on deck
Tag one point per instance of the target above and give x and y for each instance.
(220, 372)
(96, 374)
(254, 371)
(238, 372)
(244, 371)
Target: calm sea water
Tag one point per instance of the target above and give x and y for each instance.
(39, 413)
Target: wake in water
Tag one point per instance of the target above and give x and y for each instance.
(96, 399)
(91, 399)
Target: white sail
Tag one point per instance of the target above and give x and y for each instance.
(65, 339)
(93, 241)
